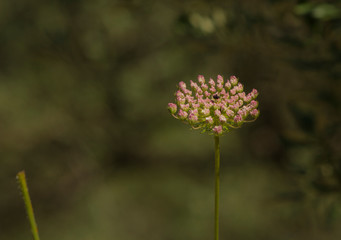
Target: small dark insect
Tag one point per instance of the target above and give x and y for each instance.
(215, 96)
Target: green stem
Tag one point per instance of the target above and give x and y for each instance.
(29, 209)
(217, 173)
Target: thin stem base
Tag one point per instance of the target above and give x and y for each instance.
(217, 183)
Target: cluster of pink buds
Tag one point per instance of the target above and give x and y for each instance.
(214, 107)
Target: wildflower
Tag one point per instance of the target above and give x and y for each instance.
(214, 107)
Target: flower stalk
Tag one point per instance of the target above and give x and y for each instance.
(217, 183)
(28, 204)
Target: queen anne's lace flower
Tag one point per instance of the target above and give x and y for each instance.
(214, 107)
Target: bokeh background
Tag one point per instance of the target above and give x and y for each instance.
(84, 87)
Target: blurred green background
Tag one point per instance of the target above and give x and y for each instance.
(84, 87)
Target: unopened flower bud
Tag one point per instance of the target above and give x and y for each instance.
(184, 107)
(253, 104)
(241, 95)
(242, 113)
(193, 84)
(208, 105)
(209, 120)
(220, 79)
(233, 80)
(212, 90)
(217, 112)
(218, 130)
(195, 105)
(229, 113)
(182, 114)
(172, 108)
(238, 118)
(189, 98)
(233, 91)
(182, 86)
(205, 111)
(222, 118)
(193, 118)
(240, 87)
(228, 85)
(187, 92)
(254, 93)
(247, 98)
(179, 94)
(193, 111)
(220, 86)
(254, 112)
(201, 79)
(180, 100)
(204, 87)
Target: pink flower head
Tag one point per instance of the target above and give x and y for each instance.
(216, 107)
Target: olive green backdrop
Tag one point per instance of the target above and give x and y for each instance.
(84, 87)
